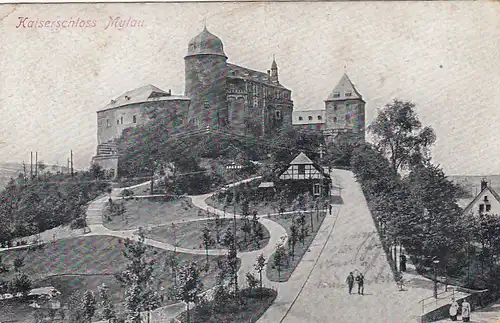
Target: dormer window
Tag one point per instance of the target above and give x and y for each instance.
(348, 94)
(300, 118)
(336, 94)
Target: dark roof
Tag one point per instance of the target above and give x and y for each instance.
(302, 159)
(206, 43)
(344, 85)
(236, 71)
(487, 188)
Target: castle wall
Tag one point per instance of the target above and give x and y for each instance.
(345, 114)
(205, 77)
(112, 122)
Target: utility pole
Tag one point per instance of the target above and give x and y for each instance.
(321, 151)
(31, 165)
(67, 165)
(24, 170)
(71, 155)
(36, 164)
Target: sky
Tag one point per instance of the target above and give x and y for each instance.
(443, 56)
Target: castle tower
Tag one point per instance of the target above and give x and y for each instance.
(206, 72)
(274, 72)
(345, 109)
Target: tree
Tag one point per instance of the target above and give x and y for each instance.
(18, 264)
(96, 171)
(89, 305)
(189, 286)
(21, 283)
(251, 280)
(232, 266)
(172, 262)
(293, 237)
(259, 267)
(246, 226)
(399, 135)
(137, 278)
(282, 201)
(279, 257)
(108, 310)
(76, 313)
(207, 240)
(4, 268)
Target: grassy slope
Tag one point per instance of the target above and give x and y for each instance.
(63, 263)
(188, 235)
(145, 212)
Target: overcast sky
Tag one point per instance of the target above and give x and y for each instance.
(443, 56)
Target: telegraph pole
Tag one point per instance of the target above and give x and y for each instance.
(71, 155)
(31, 165)
(36, 164)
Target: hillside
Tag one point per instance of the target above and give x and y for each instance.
(8, 171)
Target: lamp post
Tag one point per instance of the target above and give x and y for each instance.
(435, 262)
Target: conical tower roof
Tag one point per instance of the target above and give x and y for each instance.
(344, 86)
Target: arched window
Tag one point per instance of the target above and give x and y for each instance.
(319, 118)
(310, 118)
(300, 118)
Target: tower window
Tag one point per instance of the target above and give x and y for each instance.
(278, 114)
(134, 119)
(319, 118)
(334, 119)
(335, 108)
(117, 121)
(108, 123)
(348, 94)
(121, 119)
(310, 118)
(300, 118)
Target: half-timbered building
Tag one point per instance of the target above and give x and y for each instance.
(303, 175)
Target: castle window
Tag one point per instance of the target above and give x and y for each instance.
(334, 119)
(347, 94)
(335, 108)
(300, 118)
(108, 123)
(278, 114)
(319, 118)
(121, 119)
(336, 94)
(117, 121)
(310, 118)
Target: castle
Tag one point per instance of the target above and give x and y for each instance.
(221, 95)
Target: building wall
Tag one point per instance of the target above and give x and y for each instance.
(495, 205)
(109, 164)
(112, 122)
(205, 77)
(342, 114)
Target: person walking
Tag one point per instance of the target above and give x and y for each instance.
(360, 279)
(330, 208)
(453, 309)
(466, 311)
(402, 262)
(350, 282)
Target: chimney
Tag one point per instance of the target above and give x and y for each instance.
(484, 184)
(269, 72)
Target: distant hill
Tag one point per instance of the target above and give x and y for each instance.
(12, 170)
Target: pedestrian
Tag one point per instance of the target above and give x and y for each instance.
(402, 262)
(360, 279)
(330, 208)
(466, 311)
(453, 309)
(350, 282)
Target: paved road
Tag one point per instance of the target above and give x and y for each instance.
(317, 291)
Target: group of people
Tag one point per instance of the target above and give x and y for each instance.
(360, 280)
(465, 310)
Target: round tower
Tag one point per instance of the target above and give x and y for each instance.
(206, 72)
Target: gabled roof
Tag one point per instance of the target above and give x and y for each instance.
(145, 93)
(301, 159)
(487, 188)
(344, 85)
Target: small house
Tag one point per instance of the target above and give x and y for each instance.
(302, 175)
(487, 201)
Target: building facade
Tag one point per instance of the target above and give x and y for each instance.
(231, 97)
(344, 111)
(218, 96)
(486, 202)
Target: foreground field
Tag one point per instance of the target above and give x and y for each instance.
(84, 263)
